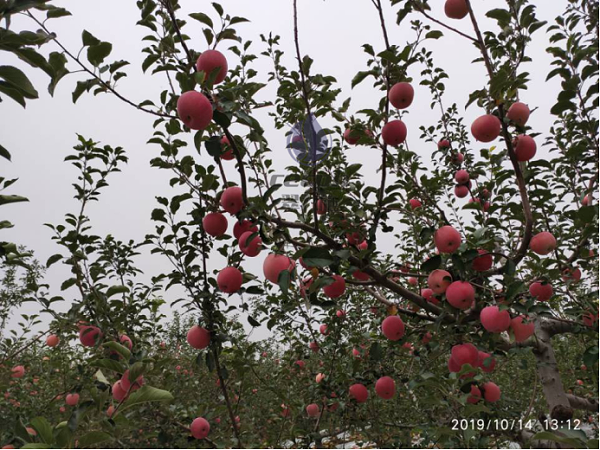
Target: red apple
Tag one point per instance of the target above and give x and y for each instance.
(227, 154)
(385, 388)
(394, 133)
(211, 60)
(462, 354)
(314, 346)
(542, 243)
(312, 410)
(393, 328)
(461, 294)
(335, 289)
(323, 330)
(494, 320)
(89, 335)
(426, 338)
(443, 143)
(17, 372)
(359, 393)
(491, 392)
(241, 227)
(194, 110)
(200, 428)
(401, 95)
(232, 200)
(525, 147)
(340, 313)
(128, 385)
(361, 276)
(461, 176)
(541, 291)
(250, 247)
(275, 264)
(321, 207)
(198, 337)
(118, 392)
(522, 331)
(439, 280)
(215, 224)
(570, 274)
(486, 128)
(413, 281)
(475, 395)
(351, 136)
(229, 280)
(72, 399)
(126, 341)
(52, 340)
(483, 262)
(518, 113)
(414, 203)
(484, 364)
(456, 9)
(461, 191)
(458, 158)
(300, 364)
(447, 239)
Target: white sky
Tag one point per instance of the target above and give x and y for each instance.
(331, 32)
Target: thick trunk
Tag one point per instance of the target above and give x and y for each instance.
(547, 367)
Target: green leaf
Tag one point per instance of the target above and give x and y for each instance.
(53, 259)
(116, 290)
(92, 438)
(252, 321)
(201, 17)
(4, 153)
(432, 263)
(123, 351)
(58, 62)
(43, 428)
(17, 79)
(147, 394)
(88, 39)
(110, 364)
(284, 280)
(97, 53)
(6, 199)
(36, 445)
(434, 34)
(55, 12)
(317, 257)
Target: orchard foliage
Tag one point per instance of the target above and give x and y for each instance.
(486, 307)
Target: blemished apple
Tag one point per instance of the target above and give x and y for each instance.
(200, 428)
(494, 320)
(541, 291)
(491, 392)
(401, 95)
(483, 262)
(456, 9)
(232, 200)
(394, 133)
(570, 274)
(241, 227)
(461, 294)
(439, 280)
(194, 110)
(415, 203)
(211, 60)
(447, 239)
(486, 128)
(312, 410)
(230, 280)
(518, 113)
(250, 247)
(275, 264)
(385, 387)
(525, 147)
(542, 243)
(359, 393)
(393, 328)
(215, 224)
(198, 337)
(72, 399)
(522, 331)
(89, 335)
(52, 340)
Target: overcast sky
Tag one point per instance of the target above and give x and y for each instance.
(331, 32)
